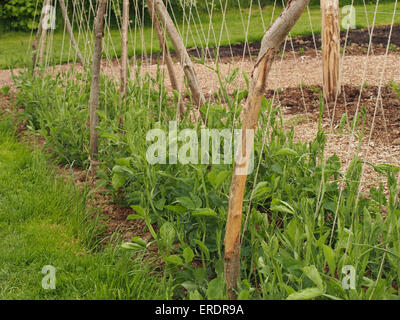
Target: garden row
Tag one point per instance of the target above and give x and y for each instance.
(305, 218)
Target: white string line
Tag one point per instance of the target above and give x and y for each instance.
(265, 135)
(188, 19)
(376, 108)
(262, 15)
(206, 43)
(64, 34)
(28, 52)
(244, 29)
(366, 17)
(354, 126)
(50, 43)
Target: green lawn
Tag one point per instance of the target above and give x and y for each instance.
(14, 47)
(42, 222)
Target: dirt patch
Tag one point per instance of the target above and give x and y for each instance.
(101, 202)
(115, 218)
(386, 128)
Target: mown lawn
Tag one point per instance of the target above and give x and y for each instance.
(43, 222)
(14, 46)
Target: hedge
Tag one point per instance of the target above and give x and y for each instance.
(19, 14)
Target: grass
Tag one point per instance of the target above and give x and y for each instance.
(15, 46)
(43, 222)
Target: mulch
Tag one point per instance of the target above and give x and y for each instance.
(387, 122)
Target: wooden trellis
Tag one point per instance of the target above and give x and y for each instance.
(272, 39)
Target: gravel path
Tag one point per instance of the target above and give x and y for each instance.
(345, 147)
(288, 72)
(292, 72)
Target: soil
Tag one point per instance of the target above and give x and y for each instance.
(101, 202)
(387, 120)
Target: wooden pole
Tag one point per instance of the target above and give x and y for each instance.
(167, 54)
(180, 49)
(35, 43)
(64, 12)
(44, 36)
(95, 87)
(270, 43)
(330, 48)
(124, 55)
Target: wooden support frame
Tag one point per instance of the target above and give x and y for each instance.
(330, 34)
(35, 42)
(95, 87)
(180, 49)
(68, 26)
(164, 47)
(270, 43)
(124, 47)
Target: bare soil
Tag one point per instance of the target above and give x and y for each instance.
(382, 115)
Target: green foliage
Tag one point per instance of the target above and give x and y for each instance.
(19, 14)
(44, 220)
(305, 217)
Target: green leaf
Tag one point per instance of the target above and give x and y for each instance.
(186, 202)
(281, 206)
(203, 248)
(312, 273)
(118, 181)
(176, 208)
(131, 246)
(306, 294)
(167, 234)
(174, 259)
(286, 152)
(216, 289)
(244, 295)
(139, 210)
(206, 212)
(330, 258)
(195, 295)
(122, 170)
(140, 241)
(134, 217)
(189, 285)
(188, 255)
(126, 162)
(261, 191)
(221, 177)
(386, 168)
(160, 204)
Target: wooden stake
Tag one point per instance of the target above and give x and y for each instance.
(180, 49)
(95, 87)
(330, 48)
(270, 43)
(167, 54)
(124, 55)
(44, 37)
(70, 32)
(35, 43)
